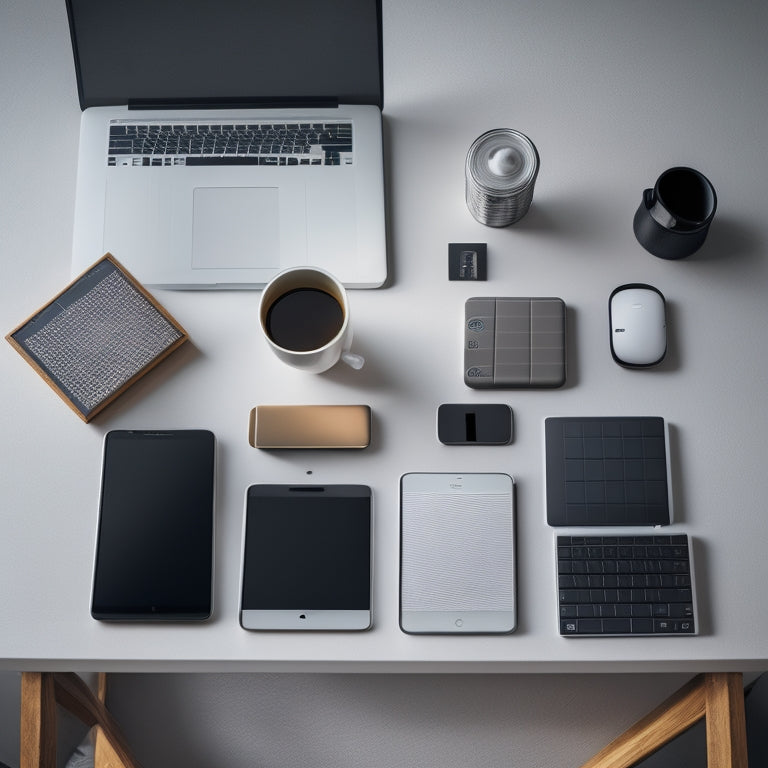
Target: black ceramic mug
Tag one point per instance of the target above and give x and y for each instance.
(674, 217)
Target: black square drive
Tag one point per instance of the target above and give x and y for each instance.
(607, 471)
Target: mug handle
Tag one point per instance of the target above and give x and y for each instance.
(658, 212)
(354, 361)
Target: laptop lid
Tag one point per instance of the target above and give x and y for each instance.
(224, 53)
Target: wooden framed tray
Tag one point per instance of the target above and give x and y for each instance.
(101, 334)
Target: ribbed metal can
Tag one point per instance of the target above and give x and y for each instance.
(500, 172)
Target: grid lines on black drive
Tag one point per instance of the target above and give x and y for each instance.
(606, 471)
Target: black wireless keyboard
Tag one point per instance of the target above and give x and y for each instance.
(625, 585)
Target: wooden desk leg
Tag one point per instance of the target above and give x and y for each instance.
(726, 720)
(676, 715)
(41, 692)
(718, 697)
(111, 748)
(38, 721)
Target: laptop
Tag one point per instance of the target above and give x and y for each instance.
(223, 141)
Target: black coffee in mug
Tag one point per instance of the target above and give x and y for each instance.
(304, 319)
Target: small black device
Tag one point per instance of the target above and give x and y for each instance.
(467, 261)
(307, 558)
(474, 424)
(154, 548)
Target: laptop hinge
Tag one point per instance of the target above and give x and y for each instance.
(228, 103)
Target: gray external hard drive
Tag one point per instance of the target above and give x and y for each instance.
(514, 342)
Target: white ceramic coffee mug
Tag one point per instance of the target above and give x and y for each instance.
(304, 349)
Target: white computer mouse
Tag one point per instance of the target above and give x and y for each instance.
(637, 314)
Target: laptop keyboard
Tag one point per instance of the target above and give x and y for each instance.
(270, 144)
(625, 585)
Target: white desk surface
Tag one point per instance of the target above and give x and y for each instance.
(612, 94)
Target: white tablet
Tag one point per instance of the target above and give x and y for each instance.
(457, 553)
(307, 558)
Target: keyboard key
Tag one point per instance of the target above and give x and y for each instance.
(671, 626)
(590, 626)
(569, 626)
(617, 626)
(642, 626)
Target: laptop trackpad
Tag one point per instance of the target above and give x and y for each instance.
(235, 228)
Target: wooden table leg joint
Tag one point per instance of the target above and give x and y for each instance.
(718, 697)
(41, 692)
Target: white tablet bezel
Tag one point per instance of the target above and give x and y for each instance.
(290, 620)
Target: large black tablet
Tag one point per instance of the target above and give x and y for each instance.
(307, 558)
(154, 551)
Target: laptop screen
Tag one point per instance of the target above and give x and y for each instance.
(215, 52)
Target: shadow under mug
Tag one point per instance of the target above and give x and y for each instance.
(325, 356)
(673, 219)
